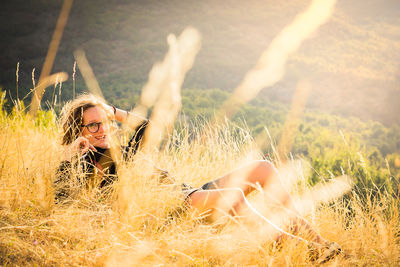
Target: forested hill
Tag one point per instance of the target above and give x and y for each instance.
(352, 61)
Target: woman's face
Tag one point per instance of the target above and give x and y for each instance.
(91, 116)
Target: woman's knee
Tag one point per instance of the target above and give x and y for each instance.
(265, 166)
(262, 172)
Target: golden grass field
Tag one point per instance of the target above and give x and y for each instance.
(140, 223)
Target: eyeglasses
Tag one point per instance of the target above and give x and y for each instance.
(93, 127)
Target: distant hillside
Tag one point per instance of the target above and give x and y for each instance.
(352, 61)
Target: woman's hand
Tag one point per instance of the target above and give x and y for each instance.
(108, 108)
(80, 146)
(120, 114)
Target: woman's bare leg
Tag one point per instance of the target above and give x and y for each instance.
(261, 173)
(240, 182)
(247, 177)
(208, 201)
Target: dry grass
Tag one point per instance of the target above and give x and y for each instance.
(143, 223)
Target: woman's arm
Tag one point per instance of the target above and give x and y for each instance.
(136, 140)
(121, 115)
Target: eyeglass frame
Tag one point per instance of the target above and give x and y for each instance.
(91, 124)
(96, 123)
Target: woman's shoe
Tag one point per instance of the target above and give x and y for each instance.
(322, 253)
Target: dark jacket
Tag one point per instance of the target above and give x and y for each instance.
(84, 168)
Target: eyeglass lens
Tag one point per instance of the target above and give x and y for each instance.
(93, 127)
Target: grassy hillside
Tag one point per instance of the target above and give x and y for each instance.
(352, 61)
(142, 222)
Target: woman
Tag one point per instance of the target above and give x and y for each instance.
(86, 122)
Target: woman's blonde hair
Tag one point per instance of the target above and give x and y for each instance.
(72, 116)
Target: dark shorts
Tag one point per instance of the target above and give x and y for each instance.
(188, 190)
(210, 185)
